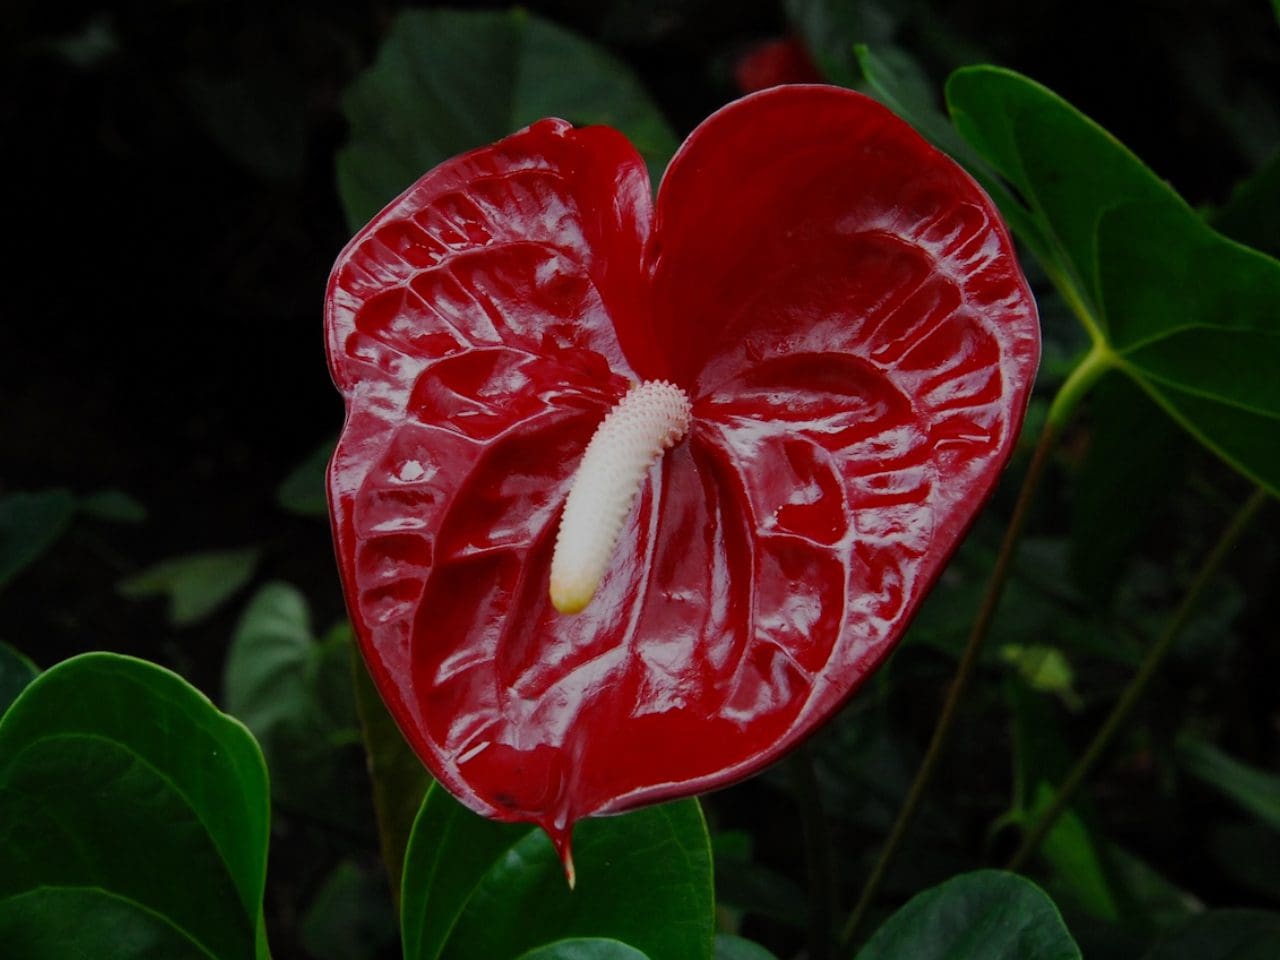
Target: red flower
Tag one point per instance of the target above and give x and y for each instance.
(773, 62)
(842, 306)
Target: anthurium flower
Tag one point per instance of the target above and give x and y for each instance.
(835, 307)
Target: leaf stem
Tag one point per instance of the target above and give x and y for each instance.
(1091, 367)
(818, 860)
(1138, 685)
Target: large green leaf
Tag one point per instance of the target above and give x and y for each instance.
(1195, 319)
(196, 585)
(1189, 314)
(133, 818)
(294, 693)
(985, 915)
(446, 81)
(1224, 935)
(474, 889)
(1067, 170)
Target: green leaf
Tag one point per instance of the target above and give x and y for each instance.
(294, 693)
(1193, 319)
(584, 948)
(302, 491)
(985, 915)
(1189, 314)
(1076, 858)
(742, 884)
(831, 29)
(128, 802)
(16, 671)
(350, 918)
(196, 584)
(729, 947)
(114, 506)
(1254, 790)
(1043, 668)
(447, 81)
(898, 81)
(475, 889)
(1224, 935)
(53, 923)
(1067, 169)
(30, 523)
(1074, 855)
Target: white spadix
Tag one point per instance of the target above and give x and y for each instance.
(649, 420)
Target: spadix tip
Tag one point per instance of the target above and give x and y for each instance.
(571, 597)
(648, 420)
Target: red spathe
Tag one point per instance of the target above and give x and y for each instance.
(843, 306)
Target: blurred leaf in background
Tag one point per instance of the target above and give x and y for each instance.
(302, 492)
(16, 671)
(30, 523)
(293, 691)
(449, 81)
(197, 584)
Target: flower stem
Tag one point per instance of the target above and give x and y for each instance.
(1096, 362)
(1138, 685)
(398, 778)
(818, 861)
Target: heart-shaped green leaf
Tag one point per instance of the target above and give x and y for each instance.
(985, 915)
(133, 818)
(446, 82)
(1186, 312)
(474, 889)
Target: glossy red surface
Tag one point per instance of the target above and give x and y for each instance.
(844, 307)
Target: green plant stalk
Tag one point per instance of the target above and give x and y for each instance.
(817, 853)
(1138, 685)
(398, 778)
(1096, 362)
